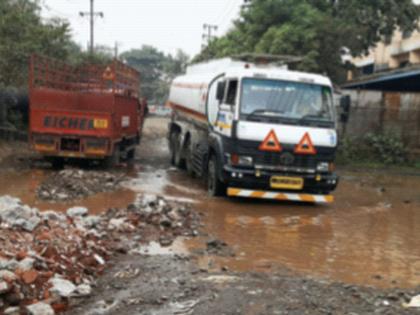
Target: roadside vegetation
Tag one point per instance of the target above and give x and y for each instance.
(319, 31)
(375, 150)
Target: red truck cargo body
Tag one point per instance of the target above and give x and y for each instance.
(88, 112)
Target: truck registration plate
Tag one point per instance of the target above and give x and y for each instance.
(100, 124)
(280, 182)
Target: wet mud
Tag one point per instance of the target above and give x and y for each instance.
(367, 238)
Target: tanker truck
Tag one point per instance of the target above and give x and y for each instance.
(255, 130)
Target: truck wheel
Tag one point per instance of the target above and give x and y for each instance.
(189, 158)
(131, 155)
(114, 159)
(214, 186)
(176, 151)
(172, 140)
(57, 163)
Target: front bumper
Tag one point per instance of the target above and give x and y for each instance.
(259, 180)
(247, 193)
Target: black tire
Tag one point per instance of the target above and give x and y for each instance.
(114, 159)
(214, 186)
(176, 152)
(172, 140)
(131, 154)
(189, 159)
(57, 163)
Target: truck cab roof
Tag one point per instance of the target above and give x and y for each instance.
(238, 69)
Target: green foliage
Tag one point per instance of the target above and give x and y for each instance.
(157, 70)
(316, 30)
(22, 33)
(385, 149)
(388, 148)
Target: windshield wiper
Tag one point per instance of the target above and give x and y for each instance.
(316, 120)
(311, 117)
(263, 112)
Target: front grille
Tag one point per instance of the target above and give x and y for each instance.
(274, 159)
(70, 145)
(251, 148)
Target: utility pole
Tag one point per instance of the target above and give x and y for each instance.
(208, 33)
(92, 14)
(116, 50)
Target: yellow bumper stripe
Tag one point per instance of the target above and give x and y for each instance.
(246, 193)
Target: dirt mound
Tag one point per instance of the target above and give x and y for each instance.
(73, 184)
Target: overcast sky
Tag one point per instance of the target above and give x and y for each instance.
(165, 24)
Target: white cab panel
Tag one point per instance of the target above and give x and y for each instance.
(286, 134)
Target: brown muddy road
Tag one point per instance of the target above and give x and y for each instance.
(360, 255)
(369, 236)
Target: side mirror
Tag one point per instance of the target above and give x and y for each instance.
(220, 91)
(345, 104)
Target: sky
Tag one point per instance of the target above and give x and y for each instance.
(166, 24)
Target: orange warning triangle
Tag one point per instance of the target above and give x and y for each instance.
(305, 146)
(271, 143)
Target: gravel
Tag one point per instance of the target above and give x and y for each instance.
(74, 184)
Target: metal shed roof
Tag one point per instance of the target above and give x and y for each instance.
(401, 80)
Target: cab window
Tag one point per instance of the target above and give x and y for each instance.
(231, 93)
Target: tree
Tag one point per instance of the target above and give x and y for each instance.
(23, 33)
(316, 30)
(157, 70)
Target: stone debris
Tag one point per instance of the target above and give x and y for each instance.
(414, 302)
(84, 290)
(4, 287)
(62, 287)
(77, 212)
(49, 258)
(40, 309)
(219, 248)
(15, 214)
(73, 184)
(12, 311)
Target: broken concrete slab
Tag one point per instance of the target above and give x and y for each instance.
(40, 309)
(15, 214)
(62, 287)
(77, 212)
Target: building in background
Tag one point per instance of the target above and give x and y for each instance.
(400, 51)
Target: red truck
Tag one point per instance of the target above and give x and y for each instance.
(84, 112)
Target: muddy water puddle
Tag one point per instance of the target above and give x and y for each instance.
(370, 235)
(168, 182)
(23, 185)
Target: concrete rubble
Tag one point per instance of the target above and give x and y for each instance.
(49, 259)
(73, 184)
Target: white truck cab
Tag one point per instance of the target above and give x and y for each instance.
(258, 131)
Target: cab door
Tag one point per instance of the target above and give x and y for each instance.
(227, 95)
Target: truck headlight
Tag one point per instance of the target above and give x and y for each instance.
(323, 167)
(241, 160)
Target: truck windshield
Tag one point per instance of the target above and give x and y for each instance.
(287, 102)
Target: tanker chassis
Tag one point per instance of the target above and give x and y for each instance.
(258, 131)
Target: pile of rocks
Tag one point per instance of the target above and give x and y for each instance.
(47, 258)
(73, 184)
